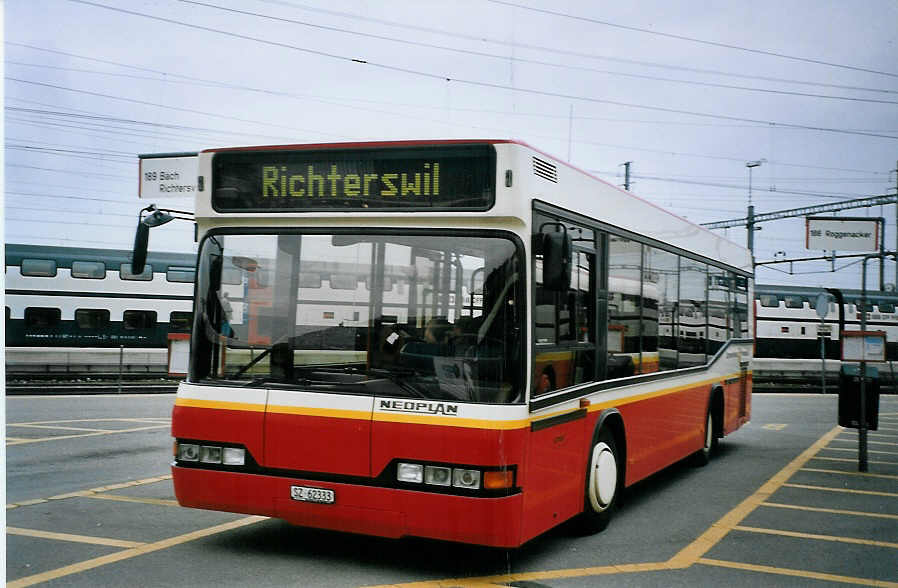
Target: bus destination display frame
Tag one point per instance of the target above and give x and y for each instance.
(400, 179)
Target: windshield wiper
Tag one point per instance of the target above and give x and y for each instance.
(398, 377)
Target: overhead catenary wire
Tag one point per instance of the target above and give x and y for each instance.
(462, 81)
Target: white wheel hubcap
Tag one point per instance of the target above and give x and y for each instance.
(602, 477)
(709, 433)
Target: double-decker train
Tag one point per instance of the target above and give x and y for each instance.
(81, 310)
(787, 323)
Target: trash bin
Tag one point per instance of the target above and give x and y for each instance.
(850, 396)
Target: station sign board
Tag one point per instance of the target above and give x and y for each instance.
(168, 175)
(863, 346)
(843, 234)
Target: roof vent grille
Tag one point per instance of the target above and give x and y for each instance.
(545, 170)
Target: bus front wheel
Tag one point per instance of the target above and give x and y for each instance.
(602, 484)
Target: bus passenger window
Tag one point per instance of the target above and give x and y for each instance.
(145, 276)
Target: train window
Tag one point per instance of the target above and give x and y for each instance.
(343, 282)
(309, 280)
(91, 318)
(42, 317)
(126, 274)
(180, 322)
(769, 300)
(40, 268)
(139, 319)
(91, 270)
(794, 302)
(886, 307)
(180, 274)
(231, 275)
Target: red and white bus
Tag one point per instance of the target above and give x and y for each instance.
(462, 340)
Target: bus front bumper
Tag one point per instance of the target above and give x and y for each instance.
(369, 510)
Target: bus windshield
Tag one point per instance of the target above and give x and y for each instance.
(408, 314)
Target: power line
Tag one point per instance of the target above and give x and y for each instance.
(443, 77)
(693, 39)
(517, 45)
(532, 61)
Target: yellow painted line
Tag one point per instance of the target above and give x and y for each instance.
(775, 427)
(814, 536)
(853, 460)
(137, 499)
(796, 573)
(73, 538)
(844, 473)
(505, 579)
(855, 449)
(110, 419)
(842, 490)
(857, 513)
(93, 491)
(14, 439)
(26, 503)
(132, 552)
(869, 442)
(62, 437)
(698, 548)
(59, 427)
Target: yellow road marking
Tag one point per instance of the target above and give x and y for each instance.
(845, 490)
(698, 548)
(854, 460)
(844, 473)
(815, 536)
(70, 537)
(138, 499)
(89, 493)
(132, 552)
(868, 442)
(109, 419)
(858, 513)
(795, 573)
(59, 427)
(505, 579)
(775, 426)
(878, 452)
(61, 437)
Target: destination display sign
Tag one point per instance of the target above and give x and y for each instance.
(449, 177)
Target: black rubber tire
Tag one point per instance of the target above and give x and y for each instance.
(604, 483)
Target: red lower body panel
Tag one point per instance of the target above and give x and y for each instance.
(385, 512)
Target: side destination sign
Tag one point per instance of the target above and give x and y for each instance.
(392, 178)
(167, 175)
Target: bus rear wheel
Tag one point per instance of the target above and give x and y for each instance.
(603, 476)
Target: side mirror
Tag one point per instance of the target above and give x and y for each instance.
(155, 218)
(558, 252)
(139, 256)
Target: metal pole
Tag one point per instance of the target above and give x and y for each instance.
(862, 426)
(121, 363)
(822, 361)
(751, 228)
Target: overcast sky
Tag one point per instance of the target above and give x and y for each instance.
(688, 91)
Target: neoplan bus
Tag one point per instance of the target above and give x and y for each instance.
(462, 340)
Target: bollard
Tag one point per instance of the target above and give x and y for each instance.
(121, 363)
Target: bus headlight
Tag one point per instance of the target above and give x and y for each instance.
(210, 454)
(188, 452)
(466, 478)
(439, 476)
(410, 472)
(233, 456)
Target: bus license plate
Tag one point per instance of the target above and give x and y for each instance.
(307, 494)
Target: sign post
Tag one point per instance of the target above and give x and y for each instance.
(822, 308)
